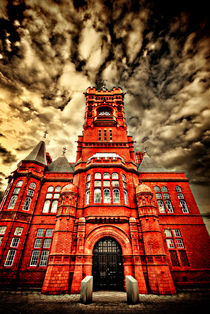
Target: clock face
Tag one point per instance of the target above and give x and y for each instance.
(104, 113)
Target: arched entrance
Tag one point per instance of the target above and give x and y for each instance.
(107, 265)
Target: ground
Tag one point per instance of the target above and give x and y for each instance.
(32, 301)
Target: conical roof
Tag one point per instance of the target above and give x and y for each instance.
(149, 165)
(61, 164)
(38, 153)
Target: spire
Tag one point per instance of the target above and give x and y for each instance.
(38, 153)
(149, 165)
(61, 164)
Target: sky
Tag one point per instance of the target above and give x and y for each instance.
(156, 51)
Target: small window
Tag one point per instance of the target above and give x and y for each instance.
(184, 258)
(18, 231)
(166, 196)
(88, 185)
(177, 233)
(180, 196)
(14, 242)
(97, 175)
(30, 192)
(164, 188)
(56, 196)
(99, 135)
(46, 206)
(1, 238)
(54, 206)
(19, 183)
(40, 232)
(179, 243)
(110, 135)
(184, 206)
(115, 183)
(50, 188)
(57, 188)
(124, 178)
(178, 188)
(87, 199)
(37, 243)
(126, 197)
(168, 233)
(32, 185)
(49, 233)
(49, 195)
(34, 258)
(161, 206)
(97, 196)
(107, 198)
(106, 175)
(47, 243)
(88, 178)
(12, 202)
(105, 138)
(116, 196)
(170, 243)
(115, 175)
(3, 229)
(159, 196)
(157, 189)
(106, 183)
(10, 258)
(27, 203)
(169, 206)
(97, 183)
(44, 258)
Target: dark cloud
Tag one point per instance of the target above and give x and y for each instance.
(6, 156)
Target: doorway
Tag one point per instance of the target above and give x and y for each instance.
(108, 271)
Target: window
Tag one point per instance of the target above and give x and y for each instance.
(110, 135)
(97, 175)
(87, 199)
(106, 176)
(163, 199)
(184, 206)
(175, 245)
(27, 203)
(161, 206)
(99, 135)
(51, 199)
(107, 198)
(3, 229)
(18, 231)
(116, 196)
(178, 188)
(97, 196)
(1, 238)
(115, 175)
(14, 242)
(126, 197)
(15, 194)
(181, 198)
(42, 244)
(10, 258)
(105, 138)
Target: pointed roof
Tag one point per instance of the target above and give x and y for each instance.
(38, 153)
(149, 165)
(61, 164)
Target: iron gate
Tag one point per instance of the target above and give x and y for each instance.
(107, 265)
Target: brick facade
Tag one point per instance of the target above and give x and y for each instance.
(54, 212)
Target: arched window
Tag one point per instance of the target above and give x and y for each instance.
(87, 199)
(115, 175)
(27, 203)
(157, 189)
(126, 197)
(169, 206)
(106, 175)
(116, 196)
(97, 196)
(107, 198)
(15, 193)
(184, 206)
(161, 206)
(97, 175)
(164, 188)
(178, 188)
(51, 199)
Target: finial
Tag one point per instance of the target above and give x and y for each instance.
(64, 150)
(45, 134)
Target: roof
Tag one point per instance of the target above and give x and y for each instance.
(149, 165)
(38, 153)
(61, 164)
(69, 188)
(142, 188)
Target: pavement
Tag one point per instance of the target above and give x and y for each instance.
(33, 302)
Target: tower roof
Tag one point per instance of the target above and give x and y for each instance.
(143, 188)
(149, 165)
(38, 153)
(69, 188)
(61, 164)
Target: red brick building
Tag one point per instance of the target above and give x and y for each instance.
(112, 213)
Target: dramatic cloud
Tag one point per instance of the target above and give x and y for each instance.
(157, 51)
